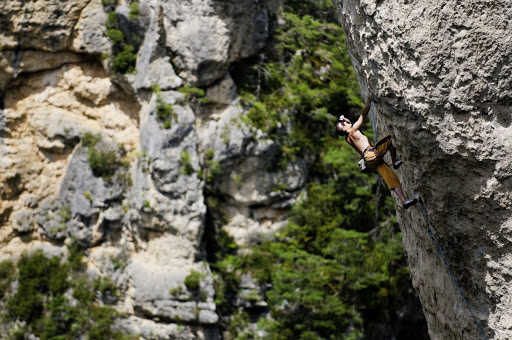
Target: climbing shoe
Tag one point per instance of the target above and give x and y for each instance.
(410, 203)
(397, 163)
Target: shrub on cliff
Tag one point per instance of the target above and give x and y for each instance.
(41, 301)
(124, 61)
(125, 55)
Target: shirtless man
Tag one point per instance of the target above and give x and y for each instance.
(374, 155)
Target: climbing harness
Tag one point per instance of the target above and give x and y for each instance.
(429, 229)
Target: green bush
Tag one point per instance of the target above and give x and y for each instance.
(90, 139)
(112, 20)
(192, 92)
(193, 280)
(163, 110)
(212, 167)
(7, 275)
(124, 62)
(125, 55)
(103, 163)
(186, 165)
(40, 300)
(134, 10)
(115, 35)
(37, 277)
(107, 3)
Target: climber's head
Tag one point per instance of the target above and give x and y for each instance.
(342, 126)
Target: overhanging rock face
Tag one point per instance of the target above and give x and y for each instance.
(440, 75)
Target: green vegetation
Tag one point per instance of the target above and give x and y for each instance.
(124, 61)
(108, 3)
(41, 302)
(195, 95)
(212, 167)
(134, 10)
(337, 270)
(192, 92)
(312, 77)
(7, 276)
(193, 280)
(65, 213)
(165, 111)
(186, 165)
(176, 290)
(88, 196)
(105, 163)
(115, 35)
(90, 139)
(125, 54)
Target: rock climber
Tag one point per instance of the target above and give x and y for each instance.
(374, 155)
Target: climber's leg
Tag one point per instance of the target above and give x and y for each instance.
(384, 145)
(388, 175)
(399, 192)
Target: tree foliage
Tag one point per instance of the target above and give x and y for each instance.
(43, 303)
(326, 275)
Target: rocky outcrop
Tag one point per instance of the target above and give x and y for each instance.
(86, 154)
(440, 75)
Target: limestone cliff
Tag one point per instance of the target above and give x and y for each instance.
(62, 106)
(440, 75)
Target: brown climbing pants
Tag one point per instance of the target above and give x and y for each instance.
(374, 159)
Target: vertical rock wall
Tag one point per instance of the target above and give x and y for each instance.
(142, 221)
(441, 77)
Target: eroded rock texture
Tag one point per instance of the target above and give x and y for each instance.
(441, 77)
(142, 221)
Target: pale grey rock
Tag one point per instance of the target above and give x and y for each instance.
(222, 92)
(250, 180)
(153, 64)
(82, 197)
(149, 329)
(207, 317)
(173, 190)
(90, 30)
(250, 294)
(206, 36)
(158, 72)
(153, 280)
(198, 38)
(249, 24)
(79, 232)
(133, 28)
(40, 25)
(79, 183)
(23, 221)
(51, 220)
(114, 213)
(440, 75)
(158, 224)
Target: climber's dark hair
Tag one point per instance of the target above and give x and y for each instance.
(339, 132)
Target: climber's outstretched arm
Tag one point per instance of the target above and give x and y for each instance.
(365, 111)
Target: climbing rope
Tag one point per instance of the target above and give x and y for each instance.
(374, 124)
(429, 230)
